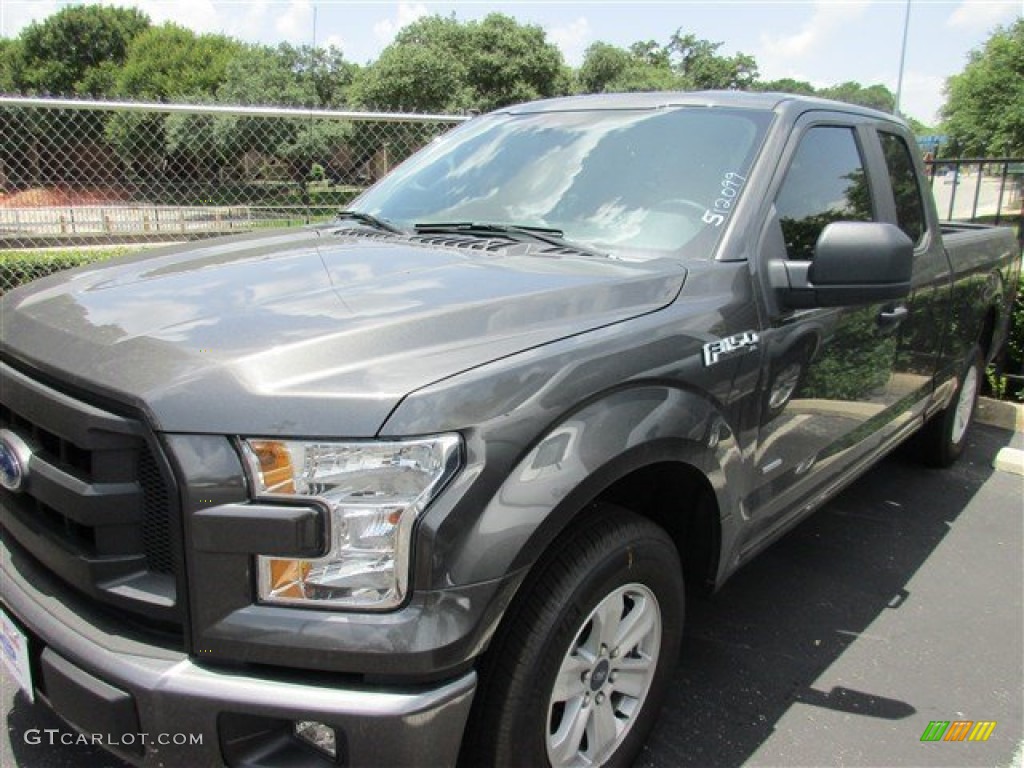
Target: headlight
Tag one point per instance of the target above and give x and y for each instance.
(374, 491)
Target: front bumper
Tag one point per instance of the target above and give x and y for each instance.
(117, 684)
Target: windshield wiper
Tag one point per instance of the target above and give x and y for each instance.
(369, 220)
(548, 235)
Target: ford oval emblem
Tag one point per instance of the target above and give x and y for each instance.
(14, 459)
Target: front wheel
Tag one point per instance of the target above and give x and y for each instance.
(578, 671)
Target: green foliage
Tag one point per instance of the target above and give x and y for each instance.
(20, 267)
(440, 64)
(684, 63)
(1015, 344)
(285, 76)
(413, 77)
(78, 50)
(699, 65)
(787, 85)
(1003, 387)
(156, 147)
(984, 111)
(10, 65)
(919, 128)
(169, 63)
(874, 96)
(609, 69)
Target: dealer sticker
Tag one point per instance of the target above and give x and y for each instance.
(14, 649)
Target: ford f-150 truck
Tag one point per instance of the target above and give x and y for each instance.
(424, 485)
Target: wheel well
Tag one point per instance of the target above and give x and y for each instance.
(678, 498)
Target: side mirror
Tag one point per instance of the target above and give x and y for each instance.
(855, 262)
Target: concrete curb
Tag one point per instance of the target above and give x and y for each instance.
(1010, 460)
(1000, 413)
(1010, 416)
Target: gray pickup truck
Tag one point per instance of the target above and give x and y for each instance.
(424, 486)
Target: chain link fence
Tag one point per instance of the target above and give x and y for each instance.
(94, 179)
(86, 180)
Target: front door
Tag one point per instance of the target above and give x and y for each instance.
(829, 394)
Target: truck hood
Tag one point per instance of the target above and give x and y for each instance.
(311, 332)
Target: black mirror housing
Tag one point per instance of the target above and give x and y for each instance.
(855, 262)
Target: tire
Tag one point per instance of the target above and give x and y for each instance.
(943, 437)
(579, 668)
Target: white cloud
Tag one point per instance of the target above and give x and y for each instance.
(295, 24)
(780, 52)
(980, 15)
(572, 39)
(386, 29)
(922, 96)
(336, 40)
(248, 20)
(15, 16)
(198, 15)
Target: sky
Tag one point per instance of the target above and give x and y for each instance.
(824, 42)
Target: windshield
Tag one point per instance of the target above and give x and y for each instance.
(633, 183)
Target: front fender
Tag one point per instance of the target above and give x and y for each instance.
(571, 464)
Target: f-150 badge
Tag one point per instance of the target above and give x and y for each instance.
(714, 351)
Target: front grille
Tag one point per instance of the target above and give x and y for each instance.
(156, 515)
(98, 507)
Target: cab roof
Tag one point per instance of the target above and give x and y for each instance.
(777, 102)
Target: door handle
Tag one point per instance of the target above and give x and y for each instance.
(890, 317)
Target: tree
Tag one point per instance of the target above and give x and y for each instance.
(416, 76)
(786, 85)
(984, 110)
(685, 63)
(609, 69)
(78, 50)
(440, 64)
(169, 62)
(10, 65)
(699, 65)
(874, 96)
(284, 76)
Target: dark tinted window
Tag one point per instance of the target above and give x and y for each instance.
(825, 182)
(909, 206)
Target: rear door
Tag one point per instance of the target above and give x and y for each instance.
(923, 334)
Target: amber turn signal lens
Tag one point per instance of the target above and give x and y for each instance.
(287, 577)
(275, 465)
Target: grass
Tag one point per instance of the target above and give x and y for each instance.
(21, 266)
(80, 255)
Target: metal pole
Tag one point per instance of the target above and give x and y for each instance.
(903, 58)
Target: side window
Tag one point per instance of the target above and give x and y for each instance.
(909, 206)
(825, 182)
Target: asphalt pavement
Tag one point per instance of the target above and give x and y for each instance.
(897, 604)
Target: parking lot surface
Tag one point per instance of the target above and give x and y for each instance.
(897, 604)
